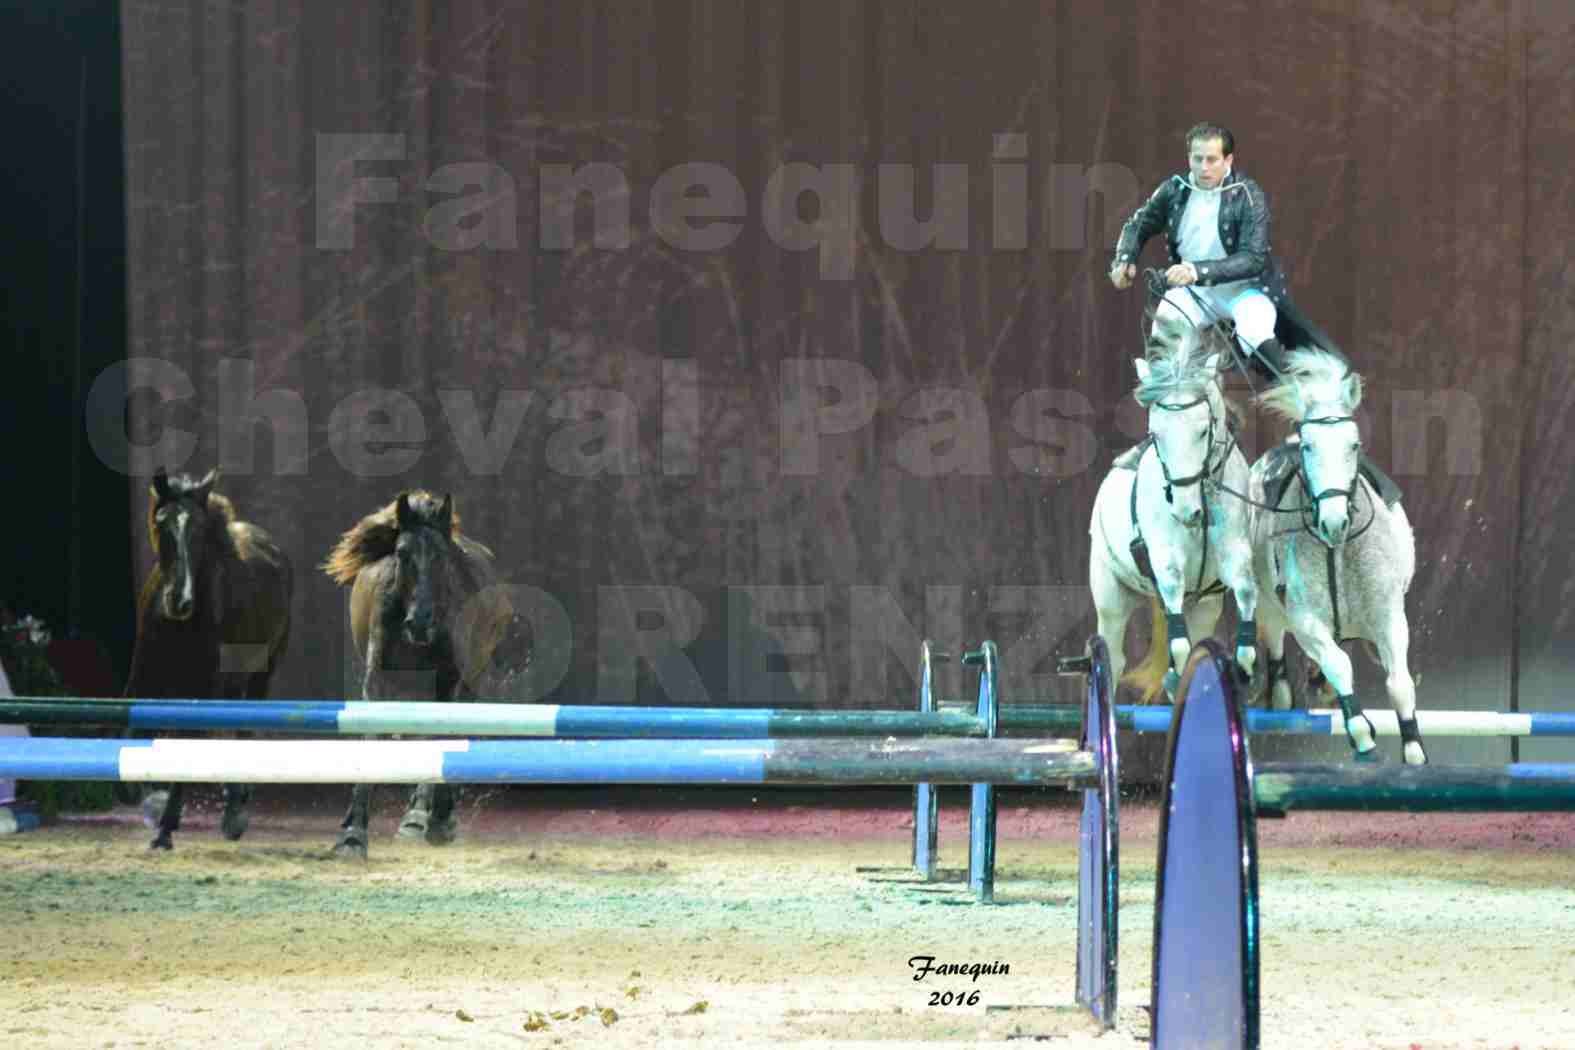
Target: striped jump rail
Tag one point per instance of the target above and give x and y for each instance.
(591, 721)
(1317, 721)
(796, 762)
(1205, 989)
(419, 718)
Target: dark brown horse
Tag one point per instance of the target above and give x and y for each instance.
(425, 618)
(213, 618)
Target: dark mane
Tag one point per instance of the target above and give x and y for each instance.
(371, 539)
(220, 507)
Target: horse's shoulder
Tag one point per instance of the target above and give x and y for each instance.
(1129, 459)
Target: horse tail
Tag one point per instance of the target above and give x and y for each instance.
(1148, 676)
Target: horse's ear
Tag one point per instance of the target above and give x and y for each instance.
(161, 484)
(446, 514)
(1351, 388)
(205, 486)
(402, 516)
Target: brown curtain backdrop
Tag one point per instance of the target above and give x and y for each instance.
(1417, 156)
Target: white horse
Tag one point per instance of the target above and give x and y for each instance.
(1161, 529)
(1335, 560)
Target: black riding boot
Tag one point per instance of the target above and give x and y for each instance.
(1268, 360)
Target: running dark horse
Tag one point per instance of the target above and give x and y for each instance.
(425, 619)
(213, 618)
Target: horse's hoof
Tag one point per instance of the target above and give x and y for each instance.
(1374, 756)
(441, 832)
(350, 849)
(163, 842)
(414, 825)
(235, 824)
(153, 808)
(1170, 684)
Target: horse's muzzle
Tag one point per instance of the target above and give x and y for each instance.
(1334, 531)
(418, 633)
(177, 607)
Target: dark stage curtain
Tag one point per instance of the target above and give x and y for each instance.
(640, 486)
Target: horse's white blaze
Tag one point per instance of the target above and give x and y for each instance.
(303, 762)
(183, 557)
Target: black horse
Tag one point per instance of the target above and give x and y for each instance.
(425, 620)
(213, 618)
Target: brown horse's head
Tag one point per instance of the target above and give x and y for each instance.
(422, 552)
(184, 517)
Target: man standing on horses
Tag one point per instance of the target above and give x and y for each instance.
(1216, 225)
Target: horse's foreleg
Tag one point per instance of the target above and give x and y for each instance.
(251, 685)
(1393, 652)
(169, 819)
(1204, 616)
(1271, 621)
(1320, 645)
(1173, 596)
(237, 810)
(418, 817)
(1113, 604)
(353, 833)
(1236, 572)
(442, 823)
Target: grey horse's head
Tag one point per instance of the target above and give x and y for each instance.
(1319, 394)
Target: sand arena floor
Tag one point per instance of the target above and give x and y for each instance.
(623, 918)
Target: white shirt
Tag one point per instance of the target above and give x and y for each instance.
(1198, 237)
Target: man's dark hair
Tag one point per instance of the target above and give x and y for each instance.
(1208, 131)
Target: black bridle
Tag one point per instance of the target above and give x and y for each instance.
(1309, 508)
(1203, 477)
(1208, 469)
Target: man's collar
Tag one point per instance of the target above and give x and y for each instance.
(1230, 180)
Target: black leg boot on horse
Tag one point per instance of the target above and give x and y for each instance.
(353, 833)
(1411, 734)
(1351, 710)
(431, 814)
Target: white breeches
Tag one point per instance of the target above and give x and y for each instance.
(1252, 311)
